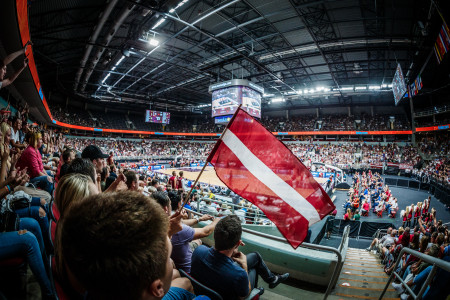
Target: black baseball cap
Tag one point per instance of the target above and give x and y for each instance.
(93, 152)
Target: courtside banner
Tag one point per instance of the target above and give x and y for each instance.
(253, 163)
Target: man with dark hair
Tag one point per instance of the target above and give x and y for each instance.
(15, 133)
(132, 180)
(180, 181)
(225, 269)
(120, 260)
(185, 241)
(82, 166)
(94, 154)
(68, 156)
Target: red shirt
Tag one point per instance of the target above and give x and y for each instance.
(172, 182)
(31, 159)
(179, 183)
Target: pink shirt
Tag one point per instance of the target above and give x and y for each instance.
(32, 159)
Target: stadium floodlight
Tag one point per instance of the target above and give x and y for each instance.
(346, 88)
(154, 42)
(275, 100)
(360, 88)
(106, 77)
(172, 10)
(320, 88)
(384, 86)
(162, 20)
(268, 95)
(299, 92)
(374, 87)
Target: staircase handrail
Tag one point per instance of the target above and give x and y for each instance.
(435, 262)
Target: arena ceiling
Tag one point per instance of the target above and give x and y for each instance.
(167, 53)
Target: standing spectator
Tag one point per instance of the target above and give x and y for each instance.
(110, 160)
(173, 180)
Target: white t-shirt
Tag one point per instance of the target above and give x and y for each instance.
(15, 135)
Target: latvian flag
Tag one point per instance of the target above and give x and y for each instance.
(253, 163)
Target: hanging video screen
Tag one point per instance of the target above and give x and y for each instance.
(153, 116)
(398, 84)
(251, 101)
(225, 101)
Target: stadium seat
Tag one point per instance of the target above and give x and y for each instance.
(365, 213)
(201, 289)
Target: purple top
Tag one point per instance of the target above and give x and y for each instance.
(181, 252)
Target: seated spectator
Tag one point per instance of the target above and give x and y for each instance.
(96, 156)
(225, 269)
(383, 242)
(72, 188)
(365, 208)
(187, 240)
(24, 244)
(32, 160)
(132, 180)
(120, 260)
(356, 216)
(15, 134)
(67, 157)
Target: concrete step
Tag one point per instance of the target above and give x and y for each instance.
(362, 277)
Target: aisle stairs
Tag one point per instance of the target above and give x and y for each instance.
(362, 277)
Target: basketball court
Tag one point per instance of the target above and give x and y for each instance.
(209, 175)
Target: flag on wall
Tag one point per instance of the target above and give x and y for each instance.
(254, 164)
(442, 45)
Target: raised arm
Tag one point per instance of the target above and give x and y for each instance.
(11, 79)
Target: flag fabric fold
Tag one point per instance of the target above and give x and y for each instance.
(253, 163)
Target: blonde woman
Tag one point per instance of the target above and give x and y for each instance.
(417, 212)
(72, 188)
(405, 217)
(410, 215)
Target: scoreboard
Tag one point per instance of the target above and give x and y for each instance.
(153, 116)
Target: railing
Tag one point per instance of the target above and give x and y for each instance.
(338, 266)
(258, 214)
(379, 233)
(436, 262)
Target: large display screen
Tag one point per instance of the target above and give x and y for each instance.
(398, 85)
(251, 101)
(225, 101)
(153, 116)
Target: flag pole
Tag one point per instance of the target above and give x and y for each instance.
(207, 161)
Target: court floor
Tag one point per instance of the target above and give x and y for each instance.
(208, 176)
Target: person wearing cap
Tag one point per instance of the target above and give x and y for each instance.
(94, 154)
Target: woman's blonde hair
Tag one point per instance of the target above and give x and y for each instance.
(71, 188)
(34, 139)
(4, 128)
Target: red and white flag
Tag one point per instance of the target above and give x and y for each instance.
(253, 163)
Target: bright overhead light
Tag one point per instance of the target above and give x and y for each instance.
(162, 20)
(359, 88)
(374, 87)
(172, 10)
(274, 100)
(346, 88)
(153, 42)
(320, 88)
(299, 92)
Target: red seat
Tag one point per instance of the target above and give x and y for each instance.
(12, 262)
(52, 231)
(55, 212)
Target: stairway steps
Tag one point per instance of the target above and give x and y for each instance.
(362, 277)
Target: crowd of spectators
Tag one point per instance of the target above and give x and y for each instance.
(429, 237)
(331, 122)
(369, 193)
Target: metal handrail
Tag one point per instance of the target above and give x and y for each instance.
(337, 267)
(436, 262)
